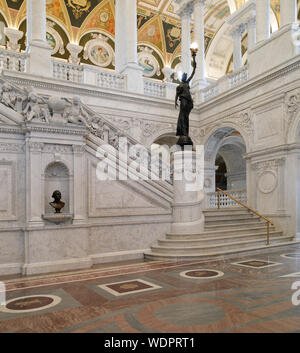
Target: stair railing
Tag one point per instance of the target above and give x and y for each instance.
(269, 222)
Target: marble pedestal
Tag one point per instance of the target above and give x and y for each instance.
(40, 62)
(188, 197)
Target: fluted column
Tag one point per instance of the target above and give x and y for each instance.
(251, 26)
(185, 13)
(199, 39)
(126, 44)
(288, 12)
(40, 52)
(236, 34)
(263, 23)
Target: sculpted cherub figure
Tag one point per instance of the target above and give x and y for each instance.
(74, 112)
(34, 110)
(8, 95)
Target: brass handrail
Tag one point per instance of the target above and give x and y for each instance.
(269, 222)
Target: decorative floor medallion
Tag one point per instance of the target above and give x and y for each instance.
(256, 263)
(295, 255)
(128, 287)
(30, 303)
(201, 273)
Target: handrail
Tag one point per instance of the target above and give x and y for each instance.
(269, 222)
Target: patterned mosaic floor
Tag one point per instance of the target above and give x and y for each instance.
(251, 294)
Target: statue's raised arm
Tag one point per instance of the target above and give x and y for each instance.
(194, 68)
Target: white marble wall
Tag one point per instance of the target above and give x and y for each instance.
(110, 220)
(114, 221)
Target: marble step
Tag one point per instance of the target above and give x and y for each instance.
(184, 242)
(224, 232)
(226, 211)
(204, 249)
(234, 225)
(230, 219)
(221, 254)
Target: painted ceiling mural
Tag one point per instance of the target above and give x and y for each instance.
(159, 28)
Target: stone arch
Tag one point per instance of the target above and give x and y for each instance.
(218, 56)
(161, 134)
(273, 21)
(230, 144)
(230, 125)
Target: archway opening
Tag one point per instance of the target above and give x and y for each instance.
(225, 166)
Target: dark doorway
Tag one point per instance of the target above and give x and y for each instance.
(221, 179)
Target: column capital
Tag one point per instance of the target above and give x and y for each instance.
(251, 22)
(186, 10)
(238, 30)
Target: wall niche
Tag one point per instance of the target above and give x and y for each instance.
(57, 177)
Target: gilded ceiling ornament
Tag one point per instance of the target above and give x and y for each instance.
(174, 36)
(79, 7)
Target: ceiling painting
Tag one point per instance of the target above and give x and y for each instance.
(159, 26)
(57, 11)
(152, 32)
(14, 4)
(102, 18)
(79, 10)
(5, 11)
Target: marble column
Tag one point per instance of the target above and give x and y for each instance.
(79, 184)
(40, 52)
(251, 26)
(126, 44)
(34, 200)
(199, 32)
(185, 13)
(263, 23)
(288, 12)
(237, 34)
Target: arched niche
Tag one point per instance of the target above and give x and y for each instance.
(56, 177)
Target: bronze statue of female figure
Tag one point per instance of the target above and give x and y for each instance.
(186, 106)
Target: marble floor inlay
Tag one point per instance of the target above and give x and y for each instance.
(30, 303)
(128, 287)
(295, 255)
(201, 273)
(256, 263)
(244, 294)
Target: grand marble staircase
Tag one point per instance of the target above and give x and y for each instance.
(227, 232)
